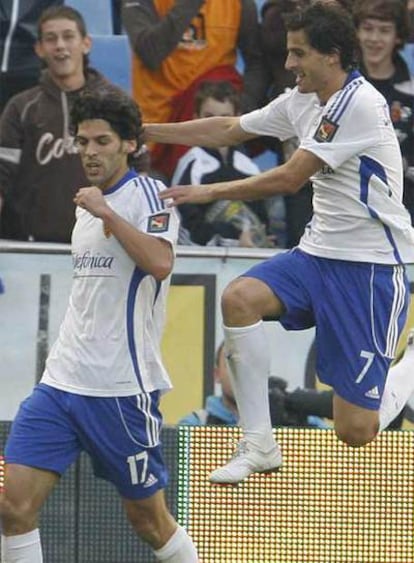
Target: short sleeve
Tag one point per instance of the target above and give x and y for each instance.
(153, 216)
(272, 120)
(342, 134)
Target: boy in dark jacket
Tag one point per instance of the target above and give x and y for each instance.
(40, 169)
(227, 223)
(19, 64)
(383, 28)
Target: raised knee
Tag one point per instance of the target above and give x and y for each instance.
(356, 435)
(234, 300)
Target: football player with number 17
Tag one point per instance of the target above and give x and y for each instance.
(101, 387)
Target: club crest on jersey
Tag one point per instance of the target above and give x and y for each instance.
(326, 131)
(158, 223)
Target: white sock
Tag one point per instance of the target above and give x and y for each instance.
(178, 549)
(24, 548)
(398, 388)
(248, 359)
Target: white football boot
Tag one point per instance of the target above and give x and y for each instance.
(245, 461)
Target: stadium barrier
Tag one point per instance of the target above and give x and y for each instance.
(328, 504)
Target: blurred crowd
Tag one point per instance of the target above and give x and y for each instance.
(190, 59)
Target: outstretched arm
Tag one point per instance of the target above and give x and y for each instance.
(285, 179)
(207, 132)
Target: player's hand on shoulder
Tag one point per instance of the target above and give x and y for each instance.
(187, 194)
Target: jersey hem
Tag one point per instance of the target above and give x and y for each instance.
(348, 256)
(103, 392)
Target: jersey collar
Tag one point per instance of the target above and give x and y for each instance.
(354, 74)
(128, 176)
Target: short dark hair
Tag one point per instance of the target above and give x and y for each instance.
(114, 107)
(384, 10)
(220, 90)
(61, 13)
(329, 29)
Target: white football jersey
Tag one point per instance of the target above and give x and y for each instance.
(357, 202)
(109, 341)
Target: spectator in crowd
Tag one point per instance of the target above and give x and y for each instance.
(224, 223)
(302, 407)
(40, 169)
(19, 64)
(383, 28)
(219, 409)
(103, 378)
(176, 44)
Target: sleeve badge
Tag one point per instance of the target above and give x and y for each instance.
(158, 223)
(326, 131)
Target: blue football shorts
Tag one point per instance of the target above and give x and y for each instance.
(359, 310)
(121, 435)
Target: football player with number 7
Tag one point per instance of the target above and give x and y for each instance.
(347, 276)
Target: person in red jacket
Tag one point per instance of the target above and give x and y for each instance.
(176, 44)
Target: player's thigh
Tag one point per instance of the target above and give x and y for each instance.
(247, 300)
(272, 289)
(354, 425)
